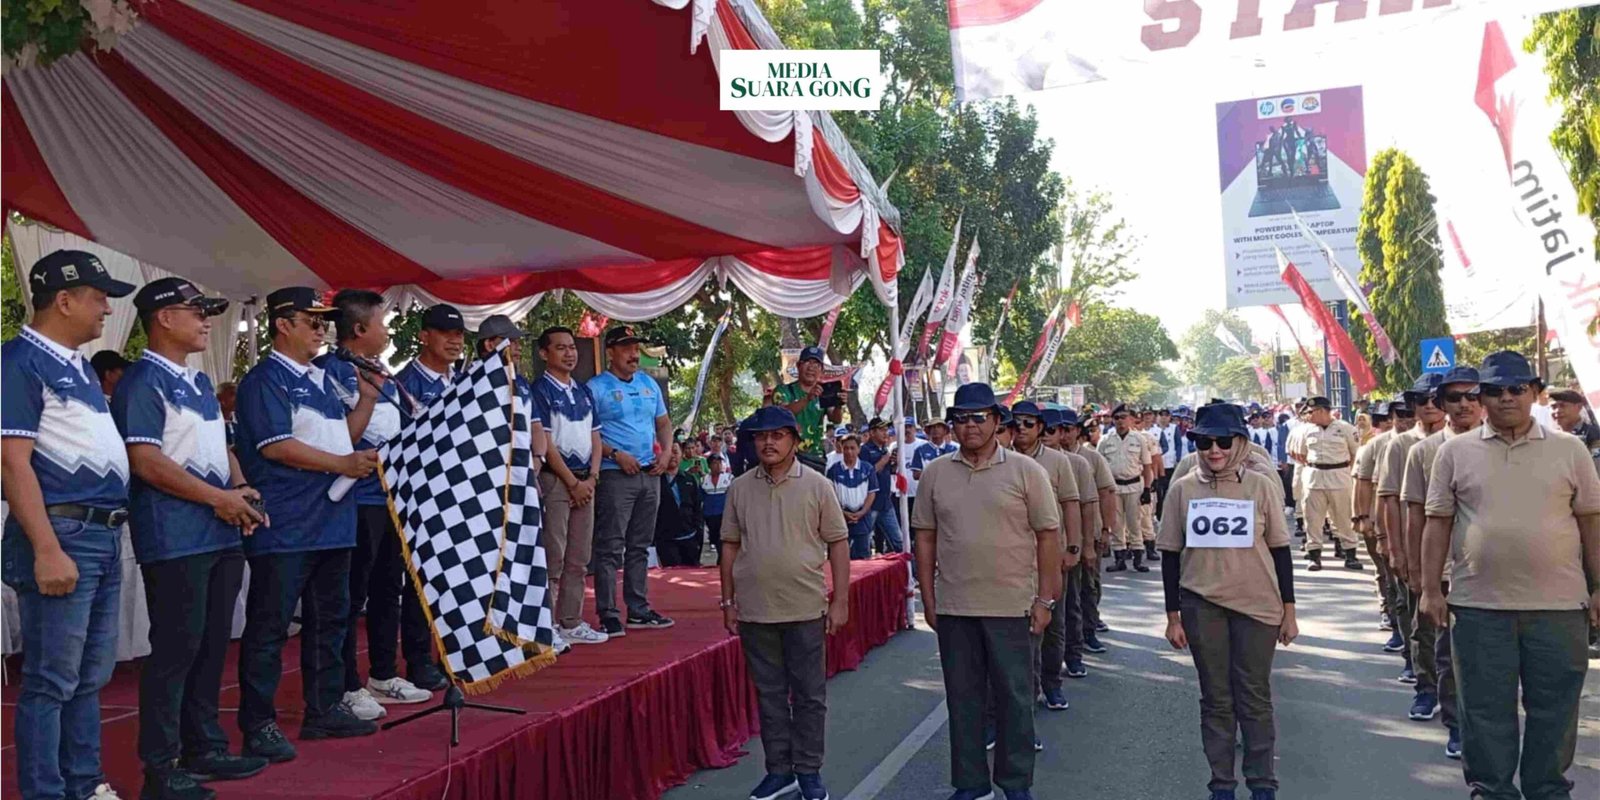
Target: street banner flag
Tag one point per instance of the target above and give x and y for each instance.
(459, 488)
(1229, 340)
(1349, 284)
(1038, 350)
(1338, 339)
(1006, 47)
(1311, 366)
(1005, 313)
(1554, 233)
(827, 326)
(960, 307)
(919, 303)
(1265, 380)
(711, 354)
(1051, 350)
(943, 293)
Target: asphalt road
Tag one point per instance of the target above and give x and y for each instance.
(1133, 730)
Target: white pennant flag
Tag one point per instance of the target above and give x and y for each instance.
(945, 291)
(919, 304)
(1229, 340)
(960, 307)
(1350, 286)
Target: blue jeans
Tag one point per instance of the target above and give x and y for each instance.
(887, 522)
(320, 581)
(69, 647)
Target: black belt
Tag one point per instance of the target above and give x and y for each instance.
(1340, 465)
(1128, 482)
(109, 517)
(581, 474)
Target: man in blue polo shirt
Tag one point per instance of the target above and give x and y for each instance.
(293, 441)
(378, 579)
(66, 480)
(187, 519)
(566, 410)
(632, 412)
(879, 452)
(441, 343)
(855, 483)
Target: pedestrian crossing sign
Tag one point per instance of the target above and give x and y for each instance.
(1438, 355)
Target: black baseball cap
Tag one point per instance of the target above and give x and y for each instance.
(69, 269)
(175, 291)
(497, 325)
(284, 302)
(443, 317)
(812, 353)
(620, 335)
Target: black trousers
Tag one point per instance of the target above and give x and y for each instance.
(191, 618)
(380, 584)
(788, 665)
(714, 533)
(1075, 618)
(989, 659)
(1160, 485)
(319, 580)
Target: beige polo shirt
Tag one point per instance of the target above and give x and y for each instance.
(1335, 444)
(1366, 468)
(1514, 508)
(986, 521)
(1239, 579)
(1102, 480)
(1392, 467)
(783, 529)
(1127, 459)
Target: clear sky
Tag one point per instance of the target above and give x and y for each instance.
(1150, 140)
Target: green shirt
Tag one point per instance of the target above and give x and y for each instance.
(810, 418)
(695, 466)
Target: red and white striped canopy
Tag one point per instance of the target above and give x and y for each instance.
(478, 152)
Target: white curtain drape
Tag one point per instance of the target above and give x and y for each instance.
(31, 242)
(400, 298)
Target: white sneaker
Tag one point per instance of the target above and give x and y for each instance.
(363, 706)
(397, 690)
(583, 634)
(561, 645)
(105, 792)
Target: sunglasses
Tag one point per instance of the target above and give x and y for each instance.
(1456, 397)
(313, 322)
(1203, 443)
(1029, 424)
(974, 418)
(1119, 416)
(1489, 390)
(1405, 414)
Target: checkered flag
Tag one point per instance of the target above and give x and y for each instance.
(458, 477)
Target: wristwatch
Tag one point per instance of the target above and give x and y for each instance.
(725, 604)
(1049, 605)
(1073, 549)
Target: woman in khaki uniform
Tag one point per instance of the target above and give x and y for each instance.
(1229, 585)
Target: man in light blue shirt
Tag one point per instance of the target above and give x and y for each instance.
(635, 449)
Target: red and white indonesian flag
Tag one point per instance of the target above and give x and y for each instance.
(960, 308)
(1002, 47)
(943, 293)
(1349, 285)
(1338, 339)
(1554, 234)
(1026, 375)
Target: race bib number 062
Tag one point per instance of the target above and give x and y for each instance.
(1220, 522)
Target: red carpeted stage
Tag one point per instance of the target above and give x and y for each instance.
(619, 721)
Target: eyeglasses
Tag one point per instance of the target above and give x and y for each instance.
(1490, 390)
(313, 322)
(1204, 443)
(1402, 413)
(1119, 416)
(973, 418)
(1456, 397)
(1028, 424)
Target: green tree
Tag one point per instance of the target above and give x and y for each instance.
(13, 311)
(1204, 353)
(1117, 352)
(1570, 43)
(1406, 295)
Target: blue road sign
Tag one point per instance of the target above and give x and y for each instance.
(1438, 355)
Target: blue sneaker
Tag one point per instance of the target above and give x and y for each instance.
(1425, 706)
(1092, 643)
(1019, 794)
(1038, 747)
(1396, 643)
(774, 786)
(811, 787)
(1452, 748)
(1263, 794)
(1407, 676)
(1076, 669)
(1055, 699)
(973, 794)
(988, 738)
(1222, 794)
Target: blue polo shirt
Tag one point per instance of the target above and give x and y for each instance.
(627, 411)
(423, 384)
(928, 451)
(49, 394)
(852, 484)
(870, 453)
(174, 408)
(566, 410)
(280, 399)
(383, 426)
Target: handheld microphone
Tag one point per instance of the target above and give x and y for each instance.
(361, 362)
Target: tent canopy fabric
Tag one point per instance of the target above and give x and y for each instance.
(479, 152)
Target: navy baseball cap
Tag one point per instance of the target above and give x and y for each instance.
(443, 317)
(175, 291)
(812, 353)
(1028, 408)
(284, 302)
(621, 335)
(1506, 368)
(1054, 418)
(69, 269)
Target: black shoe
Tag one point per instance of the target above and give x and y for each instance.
(1315, 557)
(1122, 562)
(171, 783)
(1092, 644)
(428, 677)
(222, 766)
(1350, 560)
(1338, 550)
(1076, 669)
(1101, 627)
(268, 742)
(1150, 552)
(613, 628)
(1138, 561)
(336, 724)
(649, 619)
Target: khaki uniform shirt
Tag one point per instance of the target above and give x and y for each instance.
(1335, 444)
(1392, 467)
(1127, 457)
(1367, 457)
(1102, 480)
(1514, 508)
(1239, 579)
(783, 530)
(1063, 477)
(1152, 447)
(1419, 465)
(986, 520)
